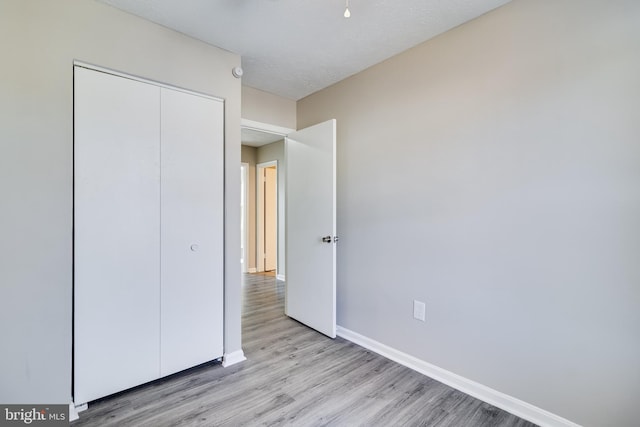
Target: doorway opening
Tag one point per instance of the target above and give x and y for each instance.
(263, 153)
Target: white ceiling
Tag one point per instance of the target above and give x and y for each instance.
(293, 48)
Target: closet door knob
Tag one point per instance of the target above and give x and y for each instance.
(194, 247)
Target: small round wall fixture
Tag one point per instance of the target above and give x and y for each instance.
(237, 72)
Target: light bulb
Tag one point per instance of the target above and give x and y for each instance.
(347, 12)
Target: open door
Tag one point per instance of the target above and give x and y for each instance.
(310, 212)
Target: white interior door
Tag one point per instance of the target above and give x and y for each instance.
(192, 230)
(310, 295)
(116, 238)
(261, 215)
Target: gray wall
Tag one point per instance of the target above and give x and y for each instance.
(494, 172)
(39, 40)
(268, 153)
(268, 108)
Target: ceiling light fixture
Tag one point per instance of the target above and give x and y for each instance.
(347, 12)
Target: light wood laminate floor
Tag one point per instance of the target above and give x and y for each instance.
(294, 376)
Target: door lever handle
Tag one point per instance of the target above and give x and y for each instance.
(326, 239)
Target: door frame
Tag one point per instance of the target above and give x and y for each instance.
(282, 132)
(260, 214)
(266, 127)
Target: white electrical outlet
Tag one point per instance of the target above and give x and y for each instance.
(419, 310)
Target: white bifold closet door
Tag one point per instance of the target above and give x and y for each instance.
(192, 230)
(148, 232)
(116, 234)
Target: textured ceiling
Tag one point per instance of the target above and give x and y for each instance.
(293, 48)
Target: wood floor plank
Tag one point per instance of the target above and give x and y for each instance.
(294, 376)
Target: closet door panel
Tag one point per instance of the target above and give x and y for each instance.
(192, 236)
(116, 226)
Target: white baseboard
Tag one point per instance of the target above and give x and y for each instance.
(280, 277)
(503, 401)
(73, 414)
(74, 410)
(232, 358)
(252, 270)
